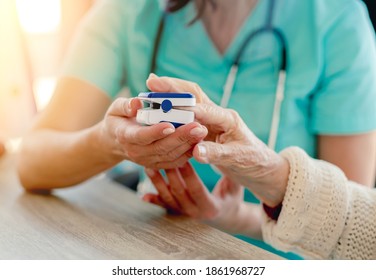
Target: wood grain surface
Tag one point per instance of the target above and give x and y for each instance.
(102, 220)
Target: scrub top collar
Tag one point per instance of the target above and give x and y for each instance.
(255, 20)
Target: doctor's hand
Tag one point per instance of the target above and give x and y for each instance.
(184, 193)
(157, 146)
(232, 147)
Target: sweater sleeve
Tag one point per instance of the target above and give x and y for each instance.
(324, 216)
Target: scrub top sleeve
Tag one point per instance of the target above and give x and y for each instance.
(345, 102)
(95, 55)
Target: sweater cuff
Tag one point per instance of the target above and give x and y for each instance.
(272, 212)
(314, 201)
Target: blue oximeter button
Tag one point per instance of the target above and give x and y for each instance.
(166, 105)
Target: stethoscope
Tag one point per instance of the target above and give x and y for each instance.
(232, 74)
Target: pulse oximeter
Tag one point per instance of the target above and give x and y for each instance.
(161, 107)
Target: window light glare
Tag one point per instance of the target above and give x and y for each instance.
(43, 91)
(39, 16)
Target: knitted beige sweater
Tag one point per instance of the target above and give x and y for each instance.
(324, 216)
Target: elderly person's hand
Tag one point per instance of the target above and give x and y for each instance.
(158, 146)
(240, 155)
(232, 147)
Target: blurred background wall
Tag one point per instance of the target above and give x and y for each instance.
(16, 101)
(34, 35)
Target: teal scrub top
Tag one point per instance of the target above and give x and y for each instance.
(331, 64)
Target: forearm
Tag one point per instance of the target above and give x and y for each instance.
(354, 154)
(323, 214)
(51, 159)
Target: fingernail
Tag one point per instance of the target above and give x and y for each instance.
(202, 153)
(168, 131)
(152, 75)
(150, 172)
(130, 104)
(197, 131)
(145, 198)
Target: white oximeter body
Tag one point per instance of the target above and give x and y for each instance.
(162, 108)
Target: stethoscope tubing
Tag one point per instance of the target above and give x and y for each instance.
(234, 69)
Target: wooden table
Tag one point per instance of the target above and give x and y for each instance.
(102, 220)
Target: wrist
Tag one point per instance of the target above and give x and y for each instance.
(270, 189)
(105, 145)
(228, 219)
(281, 176)
(251, 217)
(247, 220)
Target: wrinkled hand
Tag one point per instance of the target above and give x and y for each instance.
(240, 155)
(232, 147)
(157, 146)
(184, 193)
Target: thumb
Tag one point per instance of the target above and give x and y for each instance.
(125, 107)
(225, 186)
(231, 186)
